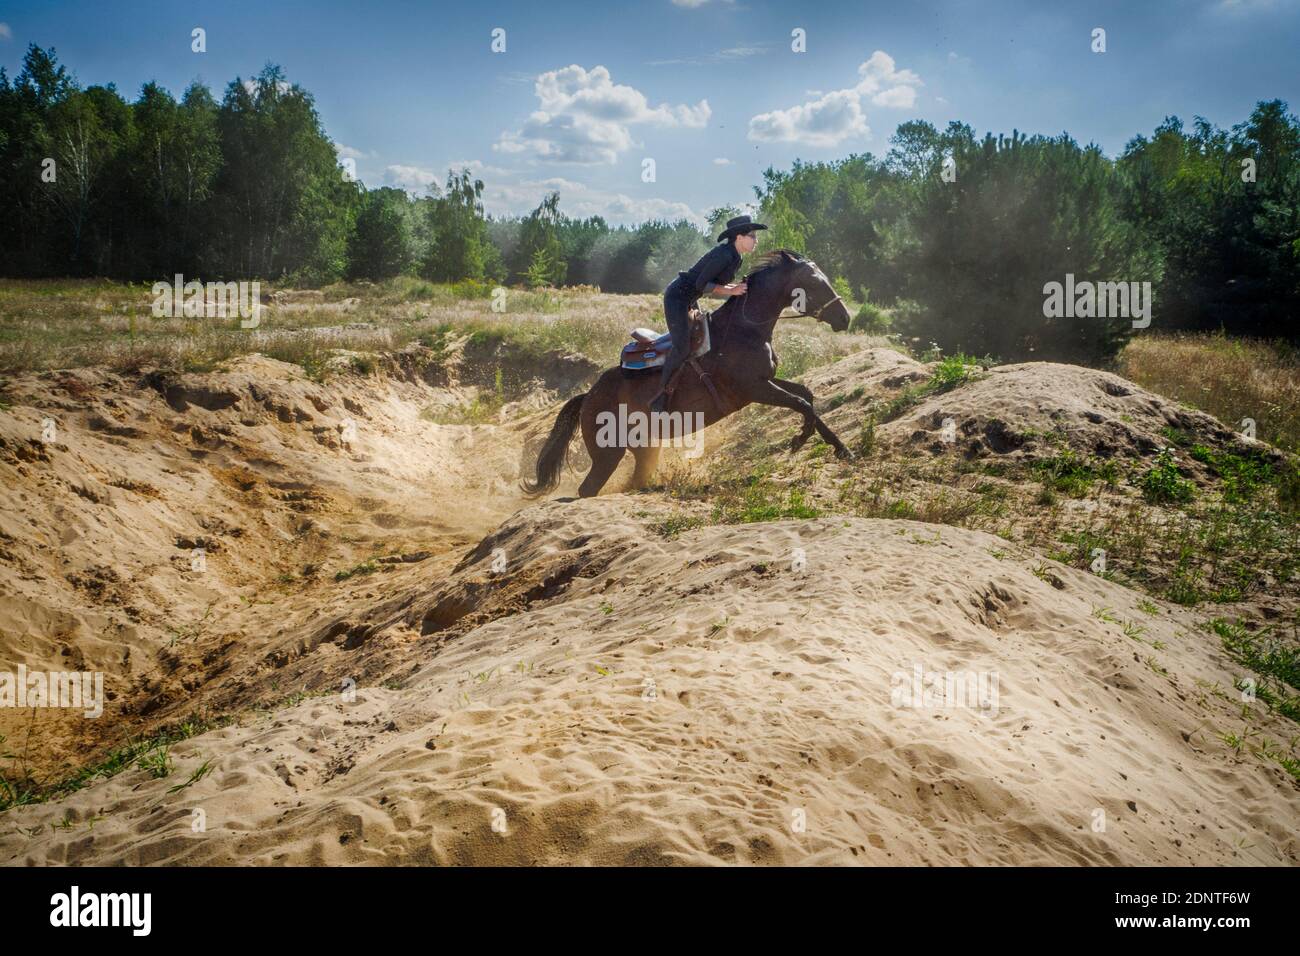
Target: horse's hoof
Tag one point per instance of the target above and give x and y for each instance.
(843, 454)
(797, 442)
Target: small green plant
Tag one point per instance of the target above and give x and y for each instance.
(762, 500)
(1134, 630)
(948, 374)
(1104, 614)
(157, 763)
(867, 437)
(365, 567)
(199, 773)
(1068, 473)
(843, 398)
(1164, 483)
(1260, 651)
(954, 370)
(28, 791)
(871, 319)
(1243, 476)
(674, 525)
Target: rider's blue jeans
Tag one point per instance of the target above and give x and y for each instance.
(677, 310)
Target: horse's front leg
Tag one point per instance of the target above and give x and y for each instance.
(804, 392)
(768, 392)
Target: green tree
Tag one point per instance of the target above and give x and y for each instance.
(540, 232)
(380, 246)
(285, 206)
(458, 246)
(1022, 212)
(673, 251)
(1227, 237)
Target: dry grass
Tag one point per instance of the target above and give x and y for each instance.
(1230, 378)
(56, 324)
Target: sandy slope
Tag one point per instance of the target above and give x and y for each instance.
(280, 480)
(606, 696)
(1028, 410)
(681, 701)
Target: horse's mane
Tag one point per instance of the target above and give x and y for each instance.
(770, 260)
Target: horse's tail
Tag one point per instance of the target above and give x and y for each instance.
(550, 461)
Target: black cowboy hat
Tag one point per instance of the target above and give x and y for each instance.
(739, 225)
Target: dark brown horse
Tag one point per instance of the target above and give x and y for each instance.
(740, 364)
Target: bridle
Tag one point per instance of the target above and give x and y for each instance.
(829, 302)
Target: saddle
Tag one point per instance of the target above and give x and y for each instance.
(649, 349)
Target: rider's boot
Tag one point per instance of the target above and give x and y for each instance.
(675, 358)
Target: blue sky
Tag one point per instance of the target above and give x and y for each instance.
(710, 90)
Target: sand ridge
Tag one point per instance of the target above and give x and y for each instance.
(555, 682)
(687, 701)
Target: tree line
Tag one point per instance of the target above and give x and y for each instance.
(959, 235)
(949, 237)
(251, 187)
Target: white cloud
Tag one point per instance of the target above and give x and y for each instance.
(478, 167)
(5, 32)
(826, 121)
(723, 161)
(580, 201)
(586, 118)
(740, 52)
(836, 116)
(414, 179)
(347, 152)
(885, 84)
(417, 180)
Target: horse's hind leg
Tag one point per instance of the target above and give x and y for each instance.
(647, 460)
(603, 463)
(804, 392)
(604, 396)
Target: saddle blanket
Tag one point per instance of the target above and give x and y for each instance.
(649, 349)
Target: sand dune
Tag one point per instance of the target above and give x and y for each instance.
(555, 683)
(686, 701)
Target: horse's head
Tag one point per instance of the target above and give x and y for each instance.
(811, 292)
(821, 301)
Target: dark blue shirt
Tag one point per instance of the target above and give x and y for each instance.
(716, 267)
